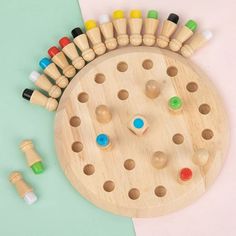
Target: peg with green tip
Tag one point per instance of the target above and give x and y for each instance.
(175, 104)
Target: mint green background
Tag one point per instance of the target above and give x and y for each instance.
(28, 29)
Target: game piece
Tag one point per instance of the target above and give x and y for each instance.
(106, 28)
(196, 42)
(138, 125)
(182, 35)
(120, 25)
(168, 28)
(71, 52)
(135, 23)
(159, 160)
(175, 104)
(103, 141)
(150, 28)
(23, 189)
(201, 157)
(152, 89)
(94, 34)
(81, 41)
(33, 158)
(37, 98)
(103, 114)
(50, 69)
(185, 174)
(43, 82)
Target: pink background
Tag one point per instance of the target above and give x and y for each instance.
(215, 213)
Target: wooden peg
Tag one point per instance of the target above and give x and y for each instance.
(150, 28)
(103, 141)
(196, 42)
(23, 189)
(106, 28)
(71, 52)
(50, 69)
(182, 35)
(37, 98)
(159, 160)
(94, 34)
(103, 114)
(135, 25)
(81, 41)
(152, 89)
(138, 125)
(168, 28)
(120, 25)
(43, 82)
(200, 157)
(185, 175)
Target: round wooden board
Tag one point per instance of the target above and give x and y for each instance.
(101, 175)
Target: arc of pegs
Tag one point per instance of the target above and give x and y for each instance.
(103, 141)
(168, 28)
(120, 25)
(107, 30)
(152, 89)
(94, 35)
(182, 35)
(81, 41)
(50, 69)
(41, 81)
(185, 175)
(37, 98)
(71, 52)
(59, 58)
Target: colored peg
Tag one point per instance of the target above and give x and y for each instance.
(135, 25)
(196, 42)
(103, 114)
(152, 89)
(159, 160)
(94, 34)
(43, 82)
(81, 41)
(175, 104)
(103, 141)
(71, 52)
(150, 28)
(120, 25)
(37, 98)
(106, 28)
(168, 28)
(23, 189)
(50, 69)
(185, 175)
(138, 125)
(182, 35)
(200, 157)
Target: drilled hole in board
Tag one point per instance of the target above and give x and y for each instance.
(129, 164)
(204, 109)
(122, 66)
(77, 147)
(75, 121)
(109, 186)
(147, 64)
(100, 78)
(134, 193)
(89, 169)
(207, 134)
(123, 94)
(178, 138)
(192, 87)
(172, 71)
(83, 97)
(160, 191)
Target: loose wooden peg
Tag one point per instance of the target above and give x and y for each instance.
(152, 89)
(138, 125)
(103, 141)
(50, 69)
(106, 28)
(185, 175)
(175, 104)
(182, 35)
(23, 189)
(135, 23)
(94, 34)
(81, 41)
(120, 25)
(37, 98)
(159, 160)
(71, 52)
(168, 28)
(43, 82)
(150, 28)
(103, 114)
(196, 42)
(200, 157)
(33, 158)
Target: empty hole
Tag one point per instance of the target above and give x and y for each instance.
(129, 164)
(123, 94)
(83, 97)
(207, 134)
(99, 78)
(178, 138)
(172, 71)
(192, 87)
(122, 66)
(134, 193)
(89, 169)
(77, 147)
(160, 191)
(204, 109)
(75, 121)
(109, 186)
(147, 64)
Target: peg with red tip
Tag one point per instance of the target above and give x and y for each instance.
(185, 175)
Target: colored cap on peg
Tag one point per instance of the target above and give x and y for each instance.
(103, 140)
(192, 25)
(53, 51)
(173, 18)
(27, 93)
(152, 14)
(34, 75)
(135, 14)
(175, 103)
(76, 32)
(118, 14)
(138, 123)
(103, 19)
(185, 174)
(43, 63)
(64, 41)
(90, 24)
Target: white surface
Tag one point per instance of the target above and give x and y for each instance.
(30, 198)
